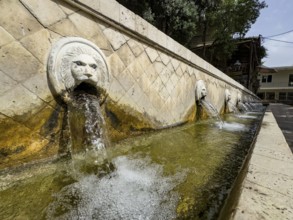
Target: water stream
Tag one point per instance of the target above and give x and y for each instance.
(211, 110)
(88, 138)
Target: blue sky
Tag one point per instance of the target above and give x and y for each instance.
(275, 19)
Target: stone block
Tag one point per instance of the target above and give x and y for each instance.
(67, 8)
(165, 58)
(38, 44)
(110, 9)
(265, 178)
(5, 37)
(101, 41)
(38, 84)
(257, 202)
(135, 70)
(19, 103)
(18, 143)
(144, 60)
(115, 65)
(65, 28)
(144, 83)
(126, 55)
(6, 83)
(116, 38)
(152, 54)
(165, 75)
(16, 20)
(175, 63)
(127, 17)
(46, 11)
(151, 73)
(161, 39)
(116, 90)
(17, 62)
(134, 93)
(125, 79)
(141, 26)
(152, 32)
(47, 122)
(85, 24)
(156, 86)
(95, 5)
(136, 47)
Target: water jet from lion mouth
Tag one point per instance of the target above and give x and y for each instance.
(78, 75)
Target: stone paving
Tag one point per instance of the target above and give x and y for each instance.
(267, 190)
(284, 116)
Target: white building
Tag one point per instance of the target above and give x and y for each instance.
(276, 84)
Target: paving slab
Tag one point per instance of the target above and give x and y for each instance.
(267, 189)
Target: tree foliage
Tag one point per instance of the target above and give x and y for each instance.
(202, 21)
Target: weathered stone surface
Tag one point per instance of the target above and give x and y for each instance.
(152, 54)
(136, 47)
(5, 37)
(38, 44)
(47, 12)
(115, 64)
(141, 26)
(110, 8)
(116, 90)
(38, 84)
(67, 8)
(6, 83)
(85, 24)
(144, 60)
(65, 28)
(95, 5)
(19, 103)
(19, 144)
(16, 20)
(127, 17)
(17, 62)
(125, 79)
(267, 190)
(257, 202)
(136, 70)
(116, 38)
(126, 55)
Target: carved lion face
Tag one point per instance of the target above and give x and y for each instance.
(201, 90)
(84, 69)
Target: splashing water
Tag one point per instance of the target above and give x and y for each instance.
(136, 190)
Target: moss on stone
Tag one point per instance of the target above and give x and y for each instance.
(37, 138)
(122, 121)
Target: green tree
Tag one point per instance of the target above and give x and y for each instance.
(225, 21)
(176, 18)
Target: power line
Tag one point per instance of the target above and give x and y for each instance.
(287, 32)
(283, 41)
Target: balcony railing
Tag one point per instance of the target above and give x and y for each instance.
(277, 85)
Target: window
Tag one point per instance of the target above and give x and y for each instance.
(290, 96)
(290, 80)
(261, 95)
(270, 96)
(267, 79)
(282, 96)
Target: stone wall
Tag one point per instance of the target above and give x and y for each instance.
(151, 75)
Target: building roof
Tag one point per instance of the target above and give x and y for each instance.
(265, 69)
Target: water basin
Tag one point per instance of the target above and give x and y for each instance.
(180, 173)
